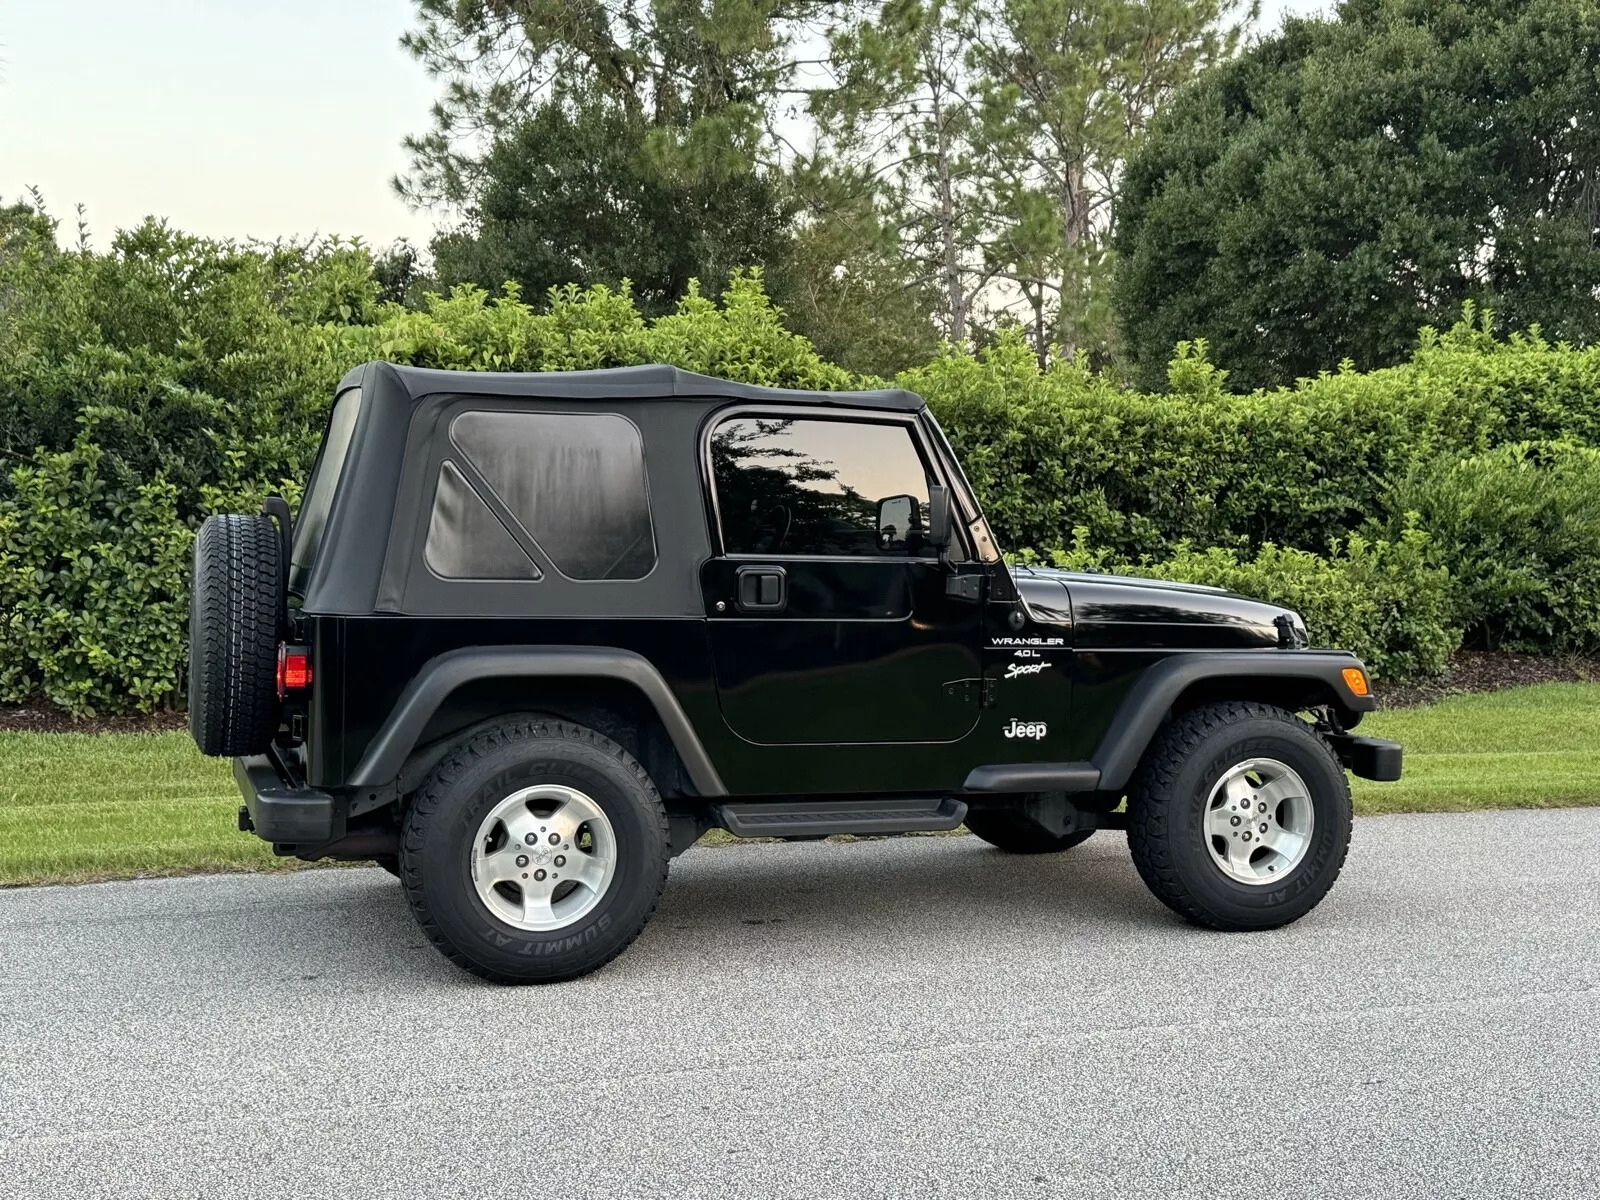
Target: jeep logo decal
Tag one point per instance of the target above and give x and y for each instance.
(1025, 729)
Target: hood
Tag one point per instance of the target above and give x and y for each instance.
(1128, 612)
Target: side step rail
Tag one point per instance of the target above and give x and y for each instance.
(820, 818)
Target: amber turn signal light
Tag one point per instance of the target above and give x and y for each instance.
(1356, 680)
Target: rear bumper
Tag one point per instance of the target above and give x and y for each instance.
(1368, 757)
(281, 809)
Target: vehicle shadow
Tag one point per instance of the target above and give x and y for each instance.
(940, 880)
(725, 900)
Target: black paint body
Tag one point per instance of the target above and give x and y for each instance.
(876, 676)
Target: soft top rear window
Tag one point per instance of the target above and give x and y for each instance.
(313, 517)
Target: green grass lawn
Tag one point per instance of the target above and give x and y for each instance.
(76, 807)
(1529, 747)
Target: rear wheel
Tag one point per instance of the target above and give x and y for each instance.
(1239, 817)
(235, 612)
(1012, 832)
(535, 853)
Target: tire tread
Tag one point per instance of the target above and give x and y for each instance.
(236, 611)
(438, 791)
(1151, 799)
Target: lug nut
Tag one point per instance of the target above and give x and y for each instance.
(538, 874)
(561, 859)
(1263, 827)
(555, 838)
(1235, 820)
(1247, 835)
(522, 860)
(1263, 806)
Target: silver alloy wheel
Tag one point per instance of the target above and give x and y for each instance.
(1258, 821)
(543, 857)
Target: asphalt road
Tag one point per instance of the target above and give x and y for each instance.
(894, 1018)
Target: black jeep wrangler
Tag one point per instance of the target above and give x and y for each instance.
(530, 636)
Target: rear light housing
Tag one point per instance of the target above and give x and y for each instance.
(294, 669)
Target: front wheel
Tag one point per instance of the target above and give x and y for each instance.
(1239, 817)
(535, 852)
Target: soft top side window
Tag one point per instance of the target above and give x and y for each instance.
(572, 485)
(820, 487)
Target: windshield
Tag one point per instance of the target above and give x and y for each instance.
(313, 516)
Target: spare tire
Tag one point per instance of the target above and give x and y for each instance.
(235, 612)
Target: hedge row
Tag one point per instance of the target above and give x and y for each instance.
(1400, 510)
(1385, 600)
(1062, 449)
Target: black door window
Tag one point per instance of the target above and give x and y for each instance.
(796, 486)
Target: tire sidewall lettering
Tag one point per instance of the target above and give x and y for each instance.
(446, 853)
(1193, 784)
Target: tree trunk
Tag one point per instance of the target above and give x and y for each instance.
(1074, 233)
(1041, 341)
(955, 289)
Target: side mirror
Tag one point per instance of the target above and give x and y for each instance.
(938, 516)
(898, 519)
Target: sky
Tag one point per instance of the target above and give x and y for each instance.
(277, 118)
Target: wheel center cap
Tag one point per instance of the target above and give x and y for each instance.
(541, 855)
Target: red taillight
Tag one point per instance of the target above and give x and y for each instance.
(294, 669)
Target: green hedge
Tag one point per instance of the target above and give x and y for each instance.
(93, 585)
(171, 377)
(1062, 449)
(1518, 528)
(1385, 600)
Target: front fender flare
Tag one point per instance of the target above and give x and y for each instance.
(1147, 704)
(440, 676)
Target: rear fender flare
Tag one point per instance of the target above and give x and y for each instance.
(381, 764)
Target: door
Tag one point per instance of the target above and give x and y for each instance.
(832, 619)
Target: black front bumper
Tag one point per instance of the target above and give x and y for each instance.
(281, 809)
(1368, 757)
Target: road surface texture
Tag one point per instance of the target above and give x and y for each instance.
(908, 1017)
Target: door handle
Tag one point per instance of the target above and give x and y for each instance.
(761, 589)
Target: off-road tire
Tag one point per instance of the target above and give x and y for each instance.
(444, 818)
(1015, 834)
(235, 613)
(1169, 795)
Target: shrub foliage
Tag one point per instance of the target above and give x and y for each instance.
(1399, 510)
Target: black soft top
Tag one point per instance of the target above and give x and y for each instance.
(656, 381)
(366, 557)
